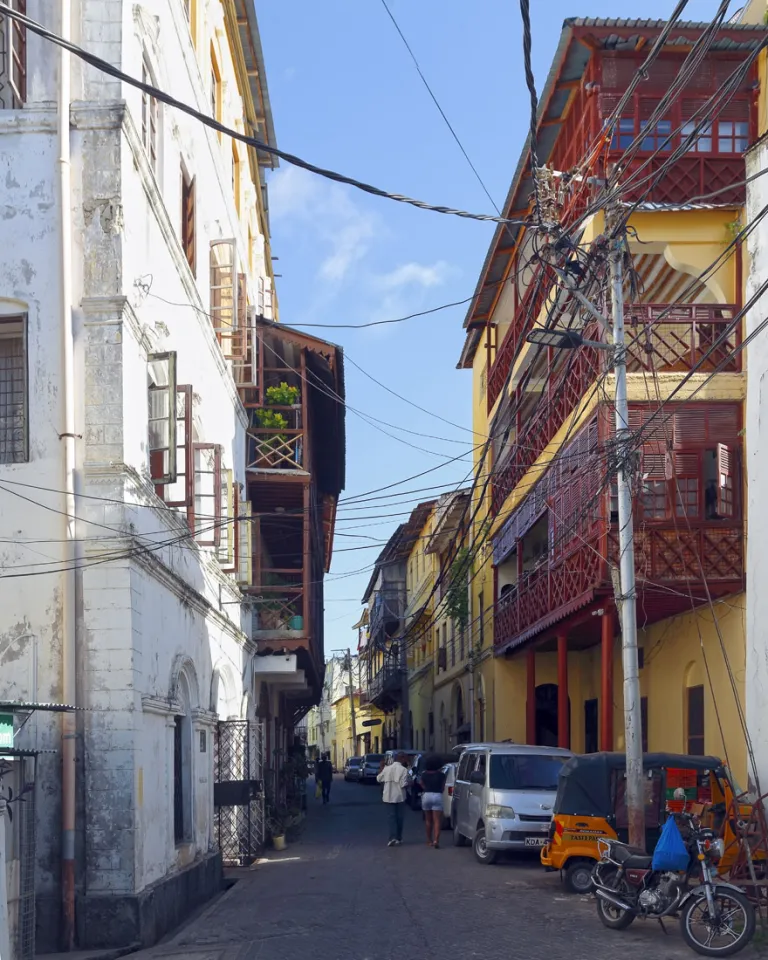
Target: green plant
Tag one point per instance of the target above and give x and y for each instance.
(283, 395)
(280, 818)
(272, 420)
(457, 599)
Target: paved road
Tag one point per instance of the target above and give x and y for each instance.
(339, 893)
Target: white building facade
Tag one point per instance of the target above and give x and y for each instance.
(139, 589)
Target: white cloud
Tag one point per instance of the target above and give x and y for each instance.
(343, 229)
(417, 274)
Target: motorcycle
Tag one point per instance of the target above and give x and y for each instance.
(716, 918)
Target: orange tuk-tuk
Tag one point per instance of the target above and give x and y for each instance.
(590, 806)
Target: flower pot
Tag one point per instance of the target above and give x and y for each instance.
(278, 842)
(296, 623)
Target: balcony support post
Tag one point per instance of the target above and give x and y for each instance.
(606, 682)
(306, 577)
(563, 704)
(530, 703)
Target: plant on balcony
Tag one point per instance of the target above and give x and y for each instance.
(272, 420)
(283, 395)
(457, 595)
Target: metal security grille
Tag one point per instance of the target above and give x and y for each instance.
(25, 811)
(13, 392)
(238, 792)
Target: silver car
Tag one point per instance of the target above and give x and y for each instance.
(503, 797)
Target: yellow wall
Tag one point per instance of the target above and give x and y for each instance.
(690, 241)
(676, 653)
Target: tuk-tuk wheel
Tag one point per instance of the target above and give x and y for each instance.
(578, 876)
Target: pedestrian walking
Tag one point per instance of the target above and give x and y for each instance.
(324, 776)
(394, 778)
(432, 782)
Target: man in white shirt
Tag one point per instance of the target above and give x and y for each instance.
(394, 778)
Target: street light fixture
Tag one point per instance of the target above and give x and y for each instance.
(563, 339)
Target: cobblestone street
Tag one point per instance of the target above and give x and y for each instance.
(339, 893)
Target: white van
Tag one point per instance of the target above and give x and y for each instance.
(503, 797)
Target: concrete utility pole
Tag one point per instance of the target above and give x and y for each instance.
(405, 705)
(626, 596)
(353, 718)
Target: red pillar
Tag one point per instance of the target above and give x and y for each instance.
(530, 703)
(563, 707)
(606, 685)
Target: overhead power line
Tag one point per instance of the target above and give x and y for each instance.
(214, 124)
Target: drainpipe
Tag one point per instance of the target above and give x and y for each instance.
(68, 656)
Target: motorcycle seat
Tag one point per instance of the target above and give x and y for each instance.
(631, 857)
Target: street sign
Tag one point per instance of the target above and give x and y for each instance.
(371, 723)
(6, 730)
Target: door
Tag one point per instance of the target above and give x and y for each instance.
(591, 729)
(461, 792)
(475, 807)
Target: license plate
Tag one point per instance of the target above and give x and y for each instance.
(535, 841)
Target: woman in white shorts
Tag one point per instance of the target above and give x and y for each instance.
(432, 783)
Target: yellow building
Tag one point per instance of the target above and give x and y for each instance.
(550, 653)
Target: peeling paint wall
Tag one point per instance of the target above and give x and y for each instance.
(756, 470)
(155, 611)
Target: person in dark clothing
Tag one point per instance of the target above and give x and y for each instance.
(432, 783)
(324, 776)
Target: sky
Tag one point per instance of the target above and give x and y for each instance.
(346, 96)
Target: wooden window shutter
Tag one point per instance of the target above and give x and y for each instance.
(205, 513)
(188, 221)
(227, 550)
(245, 545)
(179, 492)
(162, 422)
(442, 658)
(724, 480)
(242, 302)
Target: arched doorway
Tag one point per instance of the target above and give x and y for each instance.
(546, 714)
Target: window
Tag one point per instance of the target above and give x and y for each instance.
(245, 544)
(236, 187)
(654, 499)
(732, 136)
(162, 418)
(150, 116)
(703, 141)
(223, 291)
(227, 549)
(481, 627)
(14, 447)
(178, 779)
(188, 220)
(178, 492)
(206, 512)
(623, 134)
(695, 720)
(656, 136)
(216, 89)
(13, 59)
(453, 644)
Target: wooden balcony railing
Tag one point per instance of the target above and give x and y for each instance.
(278, 599)
(547, 593)
(275, 447)
(676, 338)
(665, 553)
(385, 683)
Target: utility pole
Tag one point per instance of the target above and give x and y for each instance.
(353, 718)
(626, 595)
(405, 706)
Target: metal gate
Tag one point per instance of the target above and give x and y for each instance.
(238, 791)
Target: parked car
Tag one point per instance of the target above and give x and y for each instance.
(450, 781)
(410, 754)
(413, 789)
(352, 768)
(369, 768)
(503, 797)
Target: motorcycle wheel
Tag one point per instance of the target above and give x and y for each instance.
(730, 934)
(612, 917)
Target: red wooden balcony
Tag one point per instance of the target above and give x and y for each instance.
(661, 337)
(554, 553)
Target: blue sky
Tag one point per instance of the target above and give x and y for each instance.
(346, 96)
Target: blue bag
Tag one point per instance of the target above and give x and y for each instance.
(671, 852)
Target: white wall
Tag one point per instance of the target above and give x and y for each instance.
(756, 469)
(146, 619)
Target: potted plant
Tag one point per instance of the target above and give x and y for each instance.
(278, 821)
(283, 395)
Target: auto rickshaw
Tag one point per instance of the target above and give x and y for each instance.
(590, 805)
